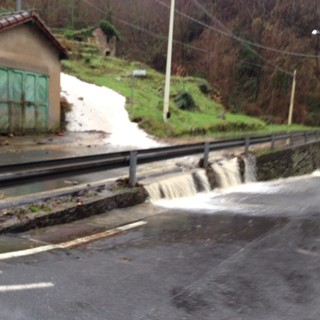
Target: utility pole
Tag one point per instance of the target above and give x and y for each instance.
(292, 98)
(166, 113)
(18, 7)
(316, 32)
(72, 14)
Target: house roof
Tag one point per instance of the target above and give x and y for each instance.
(11, 20)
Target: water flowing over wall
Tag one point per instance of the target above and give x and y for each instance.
(223, 173)
(227, 172)
(173, 187)
(184, 185)
(250, 172)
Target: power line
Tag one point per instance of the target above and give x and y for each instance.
(153, 34)
(240, 40)
(161, 37)
(228, 33)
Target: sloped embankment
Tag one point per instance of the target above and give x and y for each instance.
(17, 215)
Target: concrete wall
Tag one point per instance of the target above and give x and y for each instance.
(25, 47)
(290, 162)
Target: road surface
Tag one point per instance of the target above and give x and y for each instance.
(248, 253)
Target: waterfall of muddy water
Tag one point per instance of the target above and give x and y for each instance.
(250, 173)
(201, 181)
(227, 172)
(316, 173)
(181, 186)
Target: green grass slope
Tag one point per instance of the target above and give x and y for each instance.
(145, 97)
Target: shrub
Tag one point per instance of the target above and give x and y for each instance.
(109, 30)
(236, 126)
(79, 35)
(204, 87)
(184, 101)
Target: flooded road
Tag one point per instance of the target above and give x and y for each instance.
(26, 149)
(248, 253)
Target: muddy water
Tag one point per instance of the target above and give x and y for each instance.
(243, 213)
(52, 184)
(15, 243)
(22, 149)
(73, 144)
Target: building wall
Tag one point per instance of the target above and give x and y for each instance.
(25, 47)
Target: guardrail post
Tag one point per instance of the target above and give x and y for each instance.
(291, 139)
(206, 154)
(247, 144)
(305, 136)
(133, 168)
(273, 140)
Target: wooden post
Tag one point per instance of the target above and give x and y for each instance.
(168, 67)
(292, 98)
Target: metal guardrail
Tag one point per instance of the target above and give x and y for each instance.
(16, 174)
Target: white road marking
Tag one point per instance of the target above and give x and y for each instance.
(72, 243)
(30, 286)
(132, 225)
(87, 239)
(27, 252)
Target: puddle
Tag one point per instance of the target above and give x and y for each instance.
(63, 233)
(14, 243)
(185, 227)
(54, 184)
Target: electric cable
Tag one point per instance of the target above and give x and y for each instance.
(240, 40)
(228, 33)
(153, 34)
(156, 35)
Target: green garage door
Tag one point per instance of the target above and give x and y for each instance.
(23, 101)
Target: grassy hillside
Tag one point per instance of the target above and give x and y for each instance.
(145, 97)
(248, 49)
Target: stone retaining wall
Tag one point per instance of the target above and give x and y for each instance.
(295, 161)
(19, 222)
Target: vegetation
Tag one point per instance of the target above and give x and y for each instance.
(194, 106)
(241, 73)
(109, 30)
(4, 10)
(145, 99)
(79, 35)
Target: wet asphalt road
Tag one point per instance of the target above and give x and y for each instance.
(256, 258)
